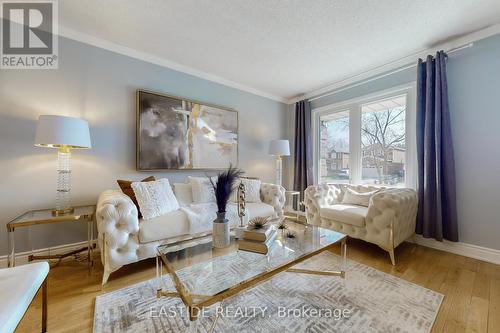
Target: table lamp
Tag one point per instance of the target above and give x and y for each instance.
(65, 134)
(279, 148)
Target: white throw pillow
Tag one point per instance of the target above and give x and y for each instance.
(203, 190)
(184, 193)
(252, 190)
(155, 198)
(352, 197)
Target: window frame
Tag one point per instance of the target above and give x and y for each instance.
(354, 106)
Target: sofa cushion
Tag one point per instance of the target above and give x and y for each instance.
(348, 214)
(259, 209)
(172, 224)
(18, 287)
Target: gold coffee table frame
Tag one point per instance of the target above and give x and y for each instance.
(195, 302)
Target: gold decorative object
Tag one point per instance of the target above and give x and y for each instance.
(241, 202)
(258, 222)
(282, 225)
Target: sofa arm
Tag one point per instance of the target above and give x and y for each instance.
(392, 215)
(118, 227)
(273, 195)
(318, 196)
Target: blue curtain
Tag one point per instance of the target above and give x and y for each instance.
(437, 209)
(303, 160)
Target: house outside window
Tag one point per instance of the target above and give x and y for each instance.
(369, 140)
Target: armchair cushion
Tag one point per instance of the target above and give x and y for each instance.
(349, 214)
(18, 287)
(352, 197)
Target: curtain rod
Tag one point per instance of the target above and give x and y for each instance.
(397, 70)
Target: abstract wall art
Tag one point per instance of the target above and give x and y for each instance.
(175, 133)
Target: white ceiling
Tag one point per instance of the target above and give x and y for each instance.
(280, 48)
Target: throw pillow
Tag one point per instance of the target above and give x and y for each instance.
(352, 197)
(203, 190)
(155, 198)
(252, 190)
(125, 186)
(184, 193)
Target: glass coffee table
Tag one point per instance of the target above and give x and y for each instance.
(204, 276)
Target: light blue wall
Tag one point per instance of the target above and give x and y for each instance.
(474, 94)
(474, 91)
(385, 82)
(100, 86)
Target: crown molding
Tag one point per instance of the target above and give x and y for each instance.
(147, 57)
(401, 62)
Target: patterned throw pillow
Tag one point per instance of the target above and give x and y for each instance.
(126, 187)
(155, 198)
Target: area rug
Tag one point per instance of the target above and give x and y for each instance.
(367, 300)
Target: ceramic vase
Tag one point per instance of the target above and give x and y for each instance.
(220, 234)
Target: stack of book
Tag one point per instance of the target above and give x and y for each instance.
(257, 240)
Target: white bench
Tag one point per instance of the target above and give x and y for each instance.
(18, 287)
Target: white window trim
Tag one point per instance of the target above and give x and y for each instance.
(354, 106)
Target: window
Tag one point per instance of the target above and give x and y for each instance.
(383, 134)
(369, 140)
(334, 147)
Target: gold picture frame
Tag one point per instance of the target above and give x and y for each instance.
(175, 134)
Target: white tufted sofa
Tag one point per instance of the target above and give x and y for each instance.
(124, 238)
(389, 219)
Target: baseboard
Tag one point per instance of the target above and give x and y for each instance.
(463, 249)
(22, 257)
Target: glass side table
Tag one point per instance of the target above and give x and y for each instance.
(289, 209)
(44, 216)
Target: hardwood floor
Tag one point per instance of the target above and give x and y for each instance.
(471, 288)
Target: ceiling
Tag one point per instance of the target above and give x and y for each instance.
(280, 48)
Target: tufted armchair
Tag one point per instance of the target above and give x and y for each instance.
(388, 220)
(125, 238)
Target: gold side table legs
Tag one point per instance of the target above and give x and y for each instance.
(11, 255)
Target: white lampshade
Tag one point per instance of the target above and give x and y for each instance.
(279, 148)
(60, 131)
